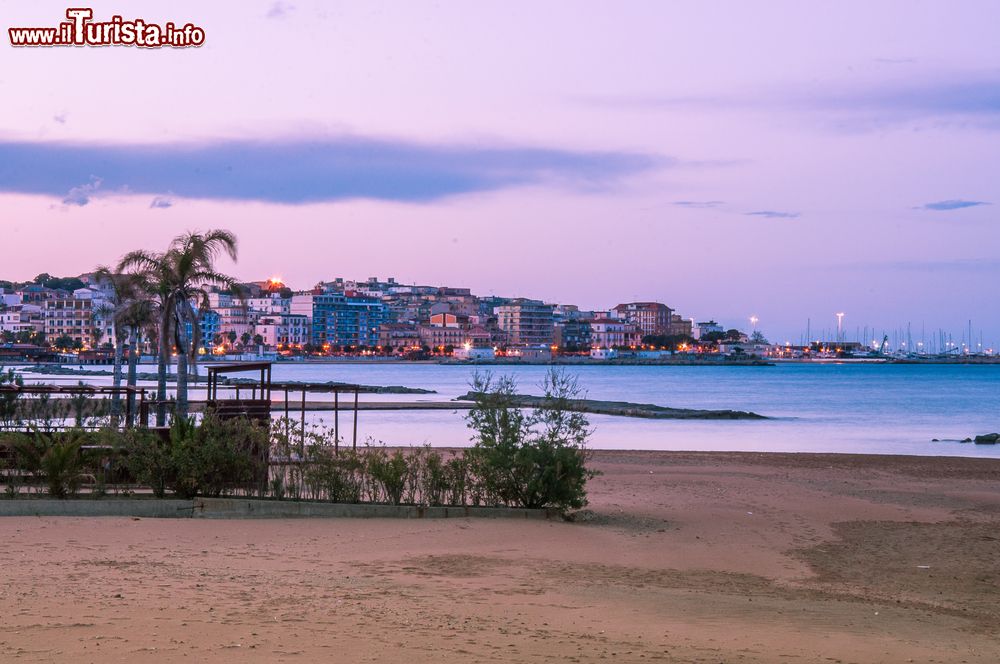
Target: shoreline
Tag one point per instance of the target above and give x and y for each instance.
(585, 362)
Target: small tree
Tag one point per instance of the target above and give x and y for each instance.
(536, 460)
(64, 342)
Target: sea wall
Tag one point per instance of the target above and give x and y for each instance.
(246, 508)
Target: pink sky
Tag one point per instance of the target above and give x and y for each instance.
(788, 160)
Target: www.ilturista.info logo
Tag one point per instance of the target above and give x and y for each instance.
(81, 30)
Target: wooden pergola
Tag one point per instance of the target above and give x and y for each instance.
(257, 407)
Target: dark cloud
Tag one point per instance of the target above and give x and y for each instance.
(161, 202)
(953, 204)
(304, 171)
(773, 214)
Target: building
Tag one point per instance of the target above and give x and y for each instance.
(651, 318)
(269, 304)
(346, 319)
(679, 327)
(705, 328)
(208, 322)
(9, 299)
(284, 330)
(474, 354)
(613, 333)
(572, 334)
(69, 317)
(526, 322)
(22, 318)
(36, 294)
(603, 353)
(538, 353)
(438, 337)
(399, 336)
(102, 312)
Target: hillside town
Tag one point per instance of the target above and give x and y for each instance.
(51, 317)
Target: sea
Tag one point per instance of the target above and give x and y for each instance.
(811, 407)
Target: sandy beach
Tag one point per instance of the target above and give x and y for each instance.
(681, 557)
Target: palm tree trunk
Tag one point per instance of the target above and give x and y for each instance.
(116, 398)
(182, 371)
(181, 409)
(161, 372)
(133, 370)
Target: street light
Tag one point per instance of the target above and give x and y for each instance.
(753, 322)
(840, 324)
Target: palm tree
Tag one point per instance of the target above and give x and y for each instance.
(178, 277)
(130, 308)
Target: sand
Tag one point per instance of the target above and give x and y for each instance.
(682, 557)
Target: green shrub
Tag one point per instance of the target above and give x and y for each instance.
(536, 460)
(147, 459)
(61, 465)
(28, 452)
(389, 474)
(335, 477)
(212, 458)
(215, 457)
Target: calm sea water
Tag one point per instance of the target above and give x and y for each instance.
(870, 408)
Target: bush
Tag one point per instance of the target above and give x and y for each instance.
(217, 457)
(213, 458)
(339, 478)
(61, 466)
(389, 474)
(536, 460)
(147, 459)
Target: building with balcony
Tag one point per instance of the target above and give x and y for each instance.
(613, 333)
(526, 322)
(347, 319)
(650, 318)
(69, 317)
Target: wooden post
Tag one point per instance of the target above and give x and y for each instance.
(303, 416)
(287, 423)
(355, 418)
(336, 419)
(128, 407)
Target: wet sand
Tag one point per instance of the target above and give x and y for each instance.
(681, 557)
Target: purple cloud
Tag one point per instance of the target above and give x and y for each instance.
(699, 205)
(306, 171)
(952, 204)
(773, 214)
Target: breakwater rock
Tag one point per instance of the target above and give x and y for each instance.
(629, 409)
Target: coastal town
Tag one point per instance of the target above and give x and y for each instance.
(72, 319)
